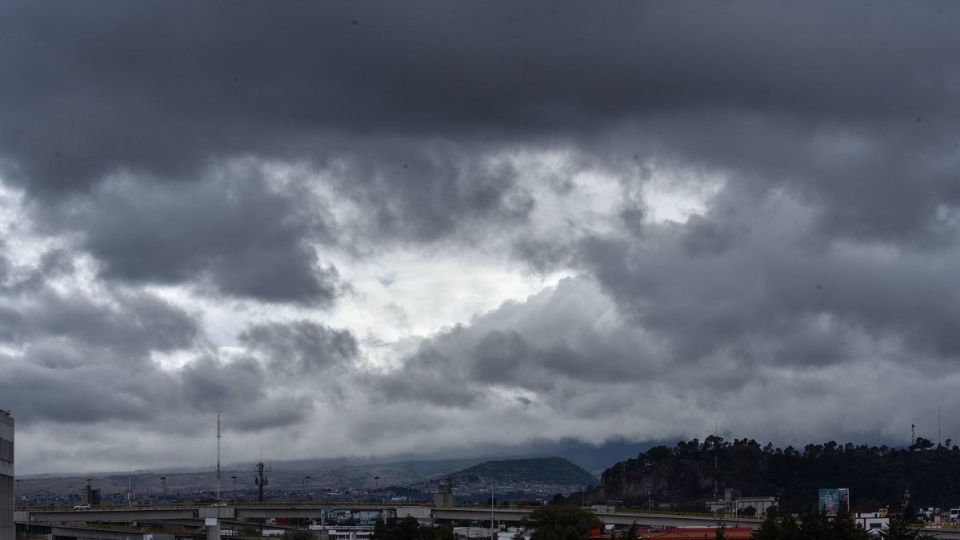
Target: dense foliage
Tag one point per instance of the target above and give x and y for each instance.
(561, 522)
(409, 529)
(814, 526)
(877, 476)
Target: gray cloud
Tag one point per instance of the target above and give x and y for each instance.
(147, 138)
(73, 347)
(301, 347)
(870, 100)
(133, 324)
(230, 232)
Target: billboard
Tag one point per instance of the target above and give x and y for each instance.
(832, 501)
(356, 518)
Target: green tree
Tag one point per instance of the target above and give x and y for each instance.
(790, 530)
(844, 528)
(769, 530)
(814, 526)
(899, 529)
(409, 528)
(557, 522)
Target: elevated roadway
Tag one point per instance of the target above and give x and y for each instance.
(316, 512)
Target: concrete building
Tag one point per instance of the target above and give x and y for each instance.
(443, 498)
(7, 528)
(734, 504)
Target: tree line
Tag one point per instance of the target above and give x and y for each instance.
(877, 476)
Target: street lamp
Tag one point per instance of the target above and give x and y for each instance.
(306, 484)
(163, 487)
(492, 515)
(376, 480)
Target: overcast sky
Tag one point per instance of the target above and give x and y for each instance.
(373, 228)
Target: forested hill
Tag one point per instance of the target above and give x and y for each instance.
(550, 470)
(877, 476)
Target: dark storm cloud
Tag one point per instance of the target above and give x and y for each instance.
(230, 232)
(86, 359)
(131, 323)
(145, 133)
(824, 98)
(770, 281)
(427, 190)
(90, 359)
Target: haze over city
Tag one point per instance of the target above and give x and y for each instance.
(446, 228)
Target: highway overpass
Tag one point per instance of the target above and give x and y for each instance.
(255, 512)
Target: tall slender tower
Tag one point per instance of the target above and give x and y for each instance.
(261, 480)
(7, 528)
(218, 458)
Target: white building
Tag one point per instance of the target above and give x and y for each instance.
(872, 522)
(7, 528)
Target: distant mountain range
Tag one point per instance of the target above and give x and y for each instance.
(363, 473)
(550, 470)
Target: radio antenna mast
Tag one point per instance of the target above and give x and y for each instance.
(218, 457)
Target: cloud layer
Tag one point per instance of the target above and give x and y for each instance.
(630, 222)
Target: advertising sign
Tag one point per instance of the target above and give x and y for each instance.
(831, 501)
(357, 518)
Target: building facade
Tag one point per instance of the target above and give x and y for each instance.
(7, 527)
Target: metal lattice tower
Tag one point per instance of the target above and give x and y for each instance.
(261, 480)
(218, 458)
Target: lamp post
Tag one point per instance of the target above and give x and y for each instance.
(492, 515)
(163, 487)
(306, 484)
(376, 485)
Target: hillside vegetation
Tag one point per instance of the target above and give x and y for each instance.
(877, 476)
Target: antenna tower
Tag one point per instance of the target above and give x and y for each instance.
(218, 458)
(261, 480)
